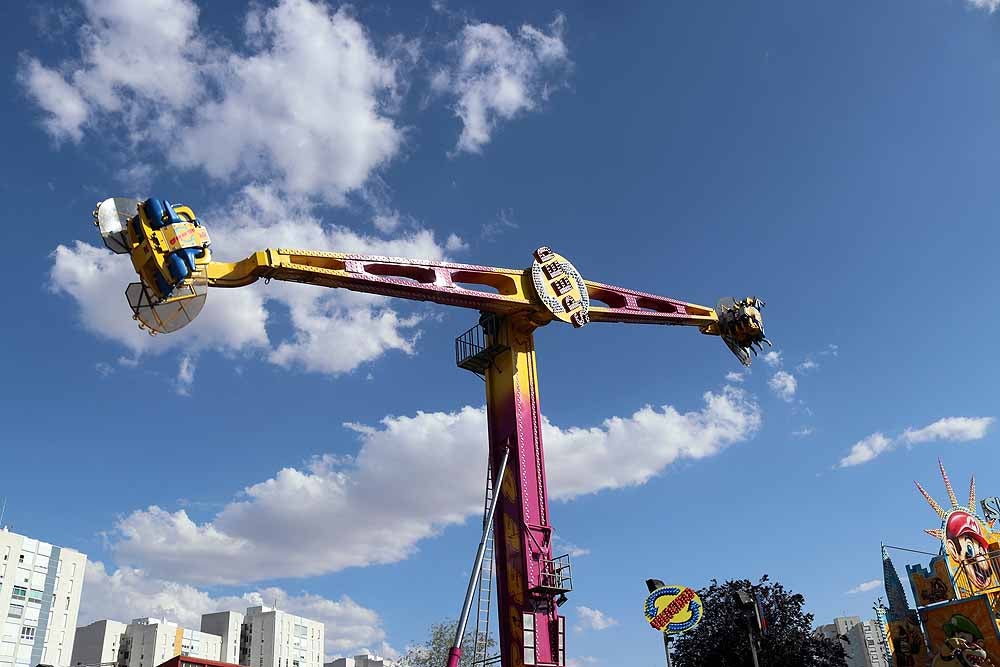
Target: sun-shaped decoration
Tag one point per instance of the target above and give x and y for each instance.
(964, 536)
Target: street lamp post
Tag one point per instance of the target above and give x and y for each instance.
(748, 605)
(652, 585)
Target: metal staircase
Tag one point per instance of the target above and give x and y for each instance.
(482, 637)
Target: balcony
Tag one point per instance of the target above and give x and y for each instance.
(556, 575)
(476, 349)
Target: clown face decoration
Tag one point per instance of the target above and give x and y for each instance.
(966, 540)
(968, 549)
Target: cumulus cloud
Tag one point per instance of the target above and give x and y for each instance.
(988, 5)
(332, 331)
(185, 375)
(733, 376)
(563, 547)
(129, 593)
(96, 280)
(593, 619)
(311, 98)
(807, 365)
(866, 449)
(498, 76)
(340, 515)
(65, 109)
(305, 101)
(954, 429)
(949, 429)
(784, 385)
(773, 359)
(865, 586)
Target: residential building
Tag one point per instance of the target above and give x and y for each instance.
(229, 626)
(148, 642)
(865, 647)
(839, 627)
(40, 587)
(861, 641)
(97, 643)
(273, 638)
(358, 661)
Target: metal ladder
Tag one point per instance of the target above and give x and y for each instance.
(482, 637)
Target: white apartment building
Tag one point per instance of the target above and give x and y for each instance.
(148, 642)
(97, 643)
(273, 638)
(861, 641)
(358, 661)
(229, 626)
(40, 588)
(865, 647)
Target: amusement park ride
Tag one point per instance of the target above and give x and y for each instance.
(170, 251)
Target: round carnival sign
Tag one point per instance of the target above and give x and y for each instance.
(673, 609)
(560, 287)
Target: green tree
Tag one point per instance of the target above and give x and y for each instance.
(434, 651)
(721, 638)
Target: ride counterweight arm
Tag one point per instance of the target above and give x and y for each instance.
(453, 284)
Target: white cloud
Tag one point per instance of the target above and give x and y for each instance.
(498, 76)
(582, 661)
(867, 449)
(96, 280)
(807, 365)
(951, 429)
(865, 586)
(563, 547)
(410, 479)
(455, 243)
(118, 73)
(504, 222)
(955, 429)
(129, 593)
(185, 375)
(593, 619)
(333, 331)
(310, 99)
(305, 101)
(988, 5)
(65, 108)
(773, 359)
(733, 376)
(784, 385)
(803, 432)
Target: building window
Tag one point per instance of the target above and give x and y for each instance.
(19, 593)
(15, 611)
(27, 633)
(36, 596)
(20, 559)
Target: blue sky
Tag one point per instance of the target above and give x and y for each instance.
(836, 159)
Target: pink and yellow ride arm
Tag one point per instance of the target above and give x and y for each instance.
(484, 288)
